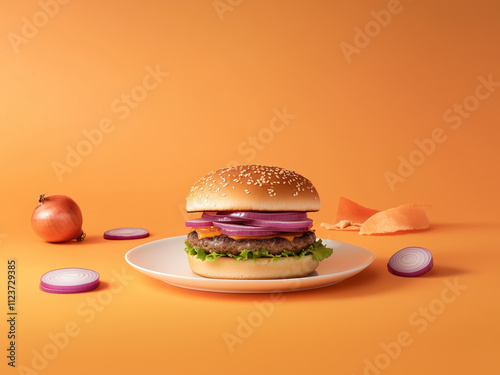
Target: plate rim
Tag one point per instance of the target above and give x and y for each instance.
(213, 288)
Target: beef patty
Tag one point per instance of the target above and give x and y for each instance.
(224, 245)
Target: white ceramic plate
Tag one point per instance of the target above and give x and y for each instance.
(166, 260)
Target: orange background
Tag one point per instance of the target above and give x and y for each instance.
(230, 67)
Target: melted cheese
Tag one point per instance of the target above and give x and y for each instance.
(207, 232)
(204, 232)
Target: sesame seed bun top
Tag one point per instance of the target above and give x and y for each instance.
(253, 188)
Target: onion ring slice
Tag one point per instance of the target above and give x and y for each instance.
(200, 222)
(128, 233)
(411, 262)
(69, 280)
(281, 224)
(285, 216)
(224, 218)
(243, 230)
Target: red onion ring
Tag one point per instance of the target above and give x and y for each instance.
(224, 218)
(248, 223)
(285, 216)
(195, 223)
(280, 224)
(69, 280)
(243, 230)
(126, 233)
(411, 262)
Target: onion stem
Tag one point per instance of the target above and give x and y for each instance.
(41, 198)
(82, 236)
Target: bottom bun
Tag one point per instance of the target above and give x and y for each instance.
(262, 268)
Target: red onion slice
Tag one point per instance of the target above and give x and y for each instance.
(224, 218)
(247, 223)
(410, 262)
(285, 216)
(289, 230)
(280, 224)
(246, 232)
(126, 233)
(69, 280)
(195, 223)
(243, 230)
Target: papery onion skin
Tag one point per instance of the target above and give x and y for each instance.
(57, 219)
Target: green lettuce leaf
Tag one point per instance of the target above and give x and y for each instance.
(317, 250)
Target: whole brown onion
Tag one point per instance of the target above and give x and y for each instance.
(57, 219)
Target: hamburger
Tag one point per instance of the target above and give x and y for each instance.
(253, 224)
